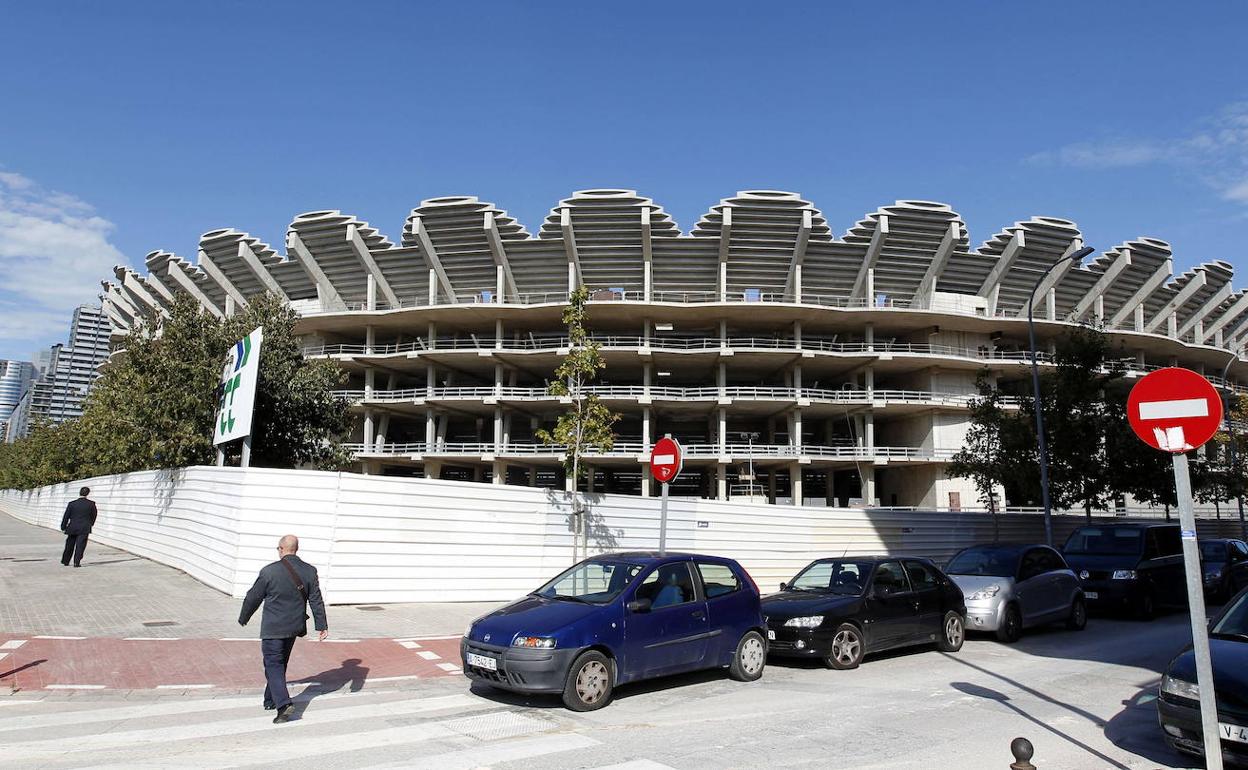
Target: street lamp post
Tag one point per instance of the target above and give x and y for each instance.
(1230, 442)
(1035, 387)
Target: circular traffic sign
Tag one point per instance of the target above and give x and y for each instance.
(1174, 410)
(666, 460)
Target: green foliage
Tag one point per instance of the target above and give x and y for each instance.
(587, 424)
(154, 405)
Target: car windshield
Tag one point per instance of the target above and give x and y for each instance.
(1234, 624)
(996, 562)
(1213, 551)
(1105, 540)
(597, 581)
(837, 576)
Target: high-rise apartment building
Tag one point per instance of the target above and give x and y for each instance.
(15, 380)
(67, 371)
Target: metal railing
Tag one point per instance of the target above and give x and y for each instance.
(631, 448)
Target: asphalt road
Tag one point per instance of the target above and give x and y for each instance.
(1083, 698)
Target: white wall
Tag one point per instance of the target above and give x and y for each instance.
(385, 539)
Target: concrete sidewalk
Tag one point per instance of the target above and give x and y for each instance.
(117, 594)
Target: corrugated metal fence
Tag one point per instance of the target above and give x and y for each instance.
(383, 539)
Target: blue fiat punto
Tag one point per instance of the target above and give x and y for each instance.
(618, 618)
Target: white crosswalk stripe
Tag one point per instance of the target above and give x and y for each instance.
(378, 728)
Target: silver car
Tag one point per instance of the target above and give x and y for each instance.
(1012, 587)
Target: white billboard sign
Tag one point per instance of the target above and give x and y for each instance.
(237, 391)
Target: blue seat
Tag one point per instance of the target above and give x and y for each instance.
(671, 594)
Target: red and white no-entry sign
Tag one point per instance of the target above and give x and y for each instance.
(666, 460)
(1174, 410)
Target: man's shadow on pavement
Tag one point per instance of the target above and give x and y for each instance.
(349, 673)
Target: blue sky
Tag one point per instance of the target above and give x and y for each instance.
(127, 127)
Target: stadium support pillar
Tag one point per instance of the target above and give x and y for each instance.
(868, 337)
(431, 429)
(722, 432)
(771, 486)
(868, 380)
(498, 473)
(867, 474)
(868, 430)
(368, 430)
(433, 470)
(383, 428)
(370, 382)
(721, 482)
(795, 482)
(645, 429)
(370, 338)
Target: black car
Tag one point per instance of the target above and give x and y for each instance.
(1133, 567)
(1178, 701)
(839, 610)
(1224, 564)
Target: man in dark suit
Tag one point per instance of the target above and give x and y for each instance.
(285, 587)
(77, 522)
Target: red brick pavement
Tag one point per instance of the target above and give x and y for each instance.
(140, 664)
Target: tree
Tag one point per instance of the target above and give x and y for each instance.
(587, 424)
(981, 458)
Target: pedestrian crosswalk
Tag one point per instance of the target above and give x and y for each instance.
(442, 727)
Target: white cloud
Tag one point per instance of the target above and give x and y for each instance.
(1216, 152)
(54, 251)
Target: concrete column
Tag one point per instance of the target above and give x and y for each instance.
(795, 482)
(499, 472)
(647, 375)
(645, 429)
(431, 379)
(382, 430)
(868, 336)
(723, 333)
(1172, 325)
(1050, 302)
(771, 486)
(868, 484)
(431, 336)
(532, 473)
(498, 430)
(722, 432)
(370, 291)
(797, 283)
(370, 338)
(507, 417)
(229, 312)
(646, 325)
(1098, 307)
(868, 429)
(797, 428)
(499, 284)
(498, 380)
(721, 378)
(370, 382)
(433, 470)
(829, 488)
(868, 379)
(433, 287)
(1139, 318)
(797, 380)
(498, 334)
(368, 428)
(477, 473)
(721, 482)
(797, 334)
(431, 428)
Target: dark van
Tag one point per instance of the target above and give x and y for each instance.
(1136, 567)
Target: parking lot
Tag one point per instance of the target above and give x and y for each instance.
(1084, 699)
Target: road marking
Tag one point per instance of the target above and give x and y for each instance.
(3, 655)
(637, 764)
(525, 748)
(73, 687)
(59, 637)
(392, 678)
(183, 686)
(448, 667)
(1178, 409)
(438, 638)
(12, 644)
(429, 655)
(410, 645)
(151, 639)
(308, 745)
(335, 641)
(239, 639)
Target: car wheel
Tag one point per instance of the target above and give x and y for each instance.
(1011, 625)
(847, 648)
(952, 632)
(749, 659)
(1078, 619)
(590, 682)
(1146, 606)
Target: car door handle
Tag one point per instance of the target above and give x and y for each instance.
(699, 614)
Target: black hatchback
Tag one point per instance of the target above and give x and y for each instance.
(838, 610)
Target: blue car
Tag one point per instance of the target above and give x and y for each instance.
(618, 618)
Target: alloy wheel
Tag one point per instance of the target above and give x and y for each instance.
(591, 681)
(953, 631)
(846, 646)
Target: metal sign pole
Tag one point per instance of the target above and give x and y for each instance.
(1196, 607)
(663, 522)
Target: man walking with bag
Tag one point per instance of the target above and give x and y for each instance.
(285, 587)
(77, 522)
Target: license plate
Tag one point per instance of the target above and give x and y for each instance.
(1091, 595)
(481, 661)
(771, 635)
(1231, 732)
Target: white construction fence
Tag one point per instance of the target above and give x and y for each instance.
(379, 539)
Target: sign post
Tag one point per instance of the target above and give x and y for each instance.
(1176, 410)
(666, 461)
(236, 395)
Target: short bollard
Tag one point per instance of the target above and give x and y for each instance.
(1022, 750)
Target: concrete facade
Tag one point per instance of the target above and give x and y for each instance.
(840, 368)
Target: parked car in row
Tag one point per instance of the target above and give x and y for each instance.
(618, 618)
(1178, 701)
(1131, 566)
(1011, 587)
(1224, 564)
(838, 610)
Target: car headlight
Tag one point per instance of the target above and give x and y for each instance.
(468, 631)
(1180, 688)
(808, 621)
(1124, 574)
(534, 642)
(984, 593)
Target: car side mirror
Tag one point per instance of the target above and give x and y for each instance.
(784, 586)
(639, 605)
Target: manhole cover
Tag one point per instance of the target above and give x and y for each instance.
(369, 608)
(159, 623)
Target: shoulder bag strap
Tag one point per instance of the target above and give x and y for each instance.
(295, 577)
